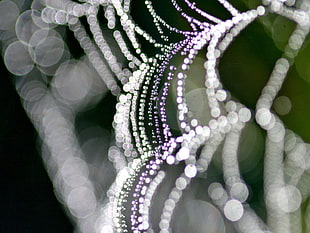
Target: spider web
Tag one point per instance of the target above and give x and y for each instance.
(152, 165)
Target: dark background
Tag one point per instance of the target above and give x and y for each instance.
(27, 200)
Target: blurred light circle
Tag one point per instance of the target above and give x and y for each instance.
(299, 155)
(78, 10)
(200, 217)
(7, 37)
(263, 116)
(89, 224)
(61, 17)
(34, 79)
(231, 106)
(38, 4)
(233, 117)
(36, 18)
(48, 16)
(49, 51)
(190, 170)
(51, 70)
(233, 210)
(277, 132)
(288, 198)
(33, 90)
(175, 194)
(9, 12)
(197, 102)
(221, 95)
(35, 110)
(183, 154)
(296, 40)
(302, 63)
(106, 229)
(244, 114)
(251, 149)
(19, 4)
(164, 224)
(170, 159)
(282, 28)
(27, 24)
(169, 203)
(239, 191)
(38, 36)
(81, 202)
(75, 172)
(72, 81)
(181, 183)
(212, 187)
(17, 59)
(282, 105)
(217, 193)
(290, 141)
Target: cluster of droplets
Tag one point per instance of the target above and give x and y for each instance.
(144, 144)
(164, 145)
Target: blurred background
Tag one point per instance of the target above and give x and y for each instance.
(27, 199)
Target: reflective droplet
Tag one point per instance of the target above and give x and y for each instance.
(233, 210)
(263, 116)
(61, 17)
(244, 114)
(182, 154)
(181, 183)
(190, 171)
